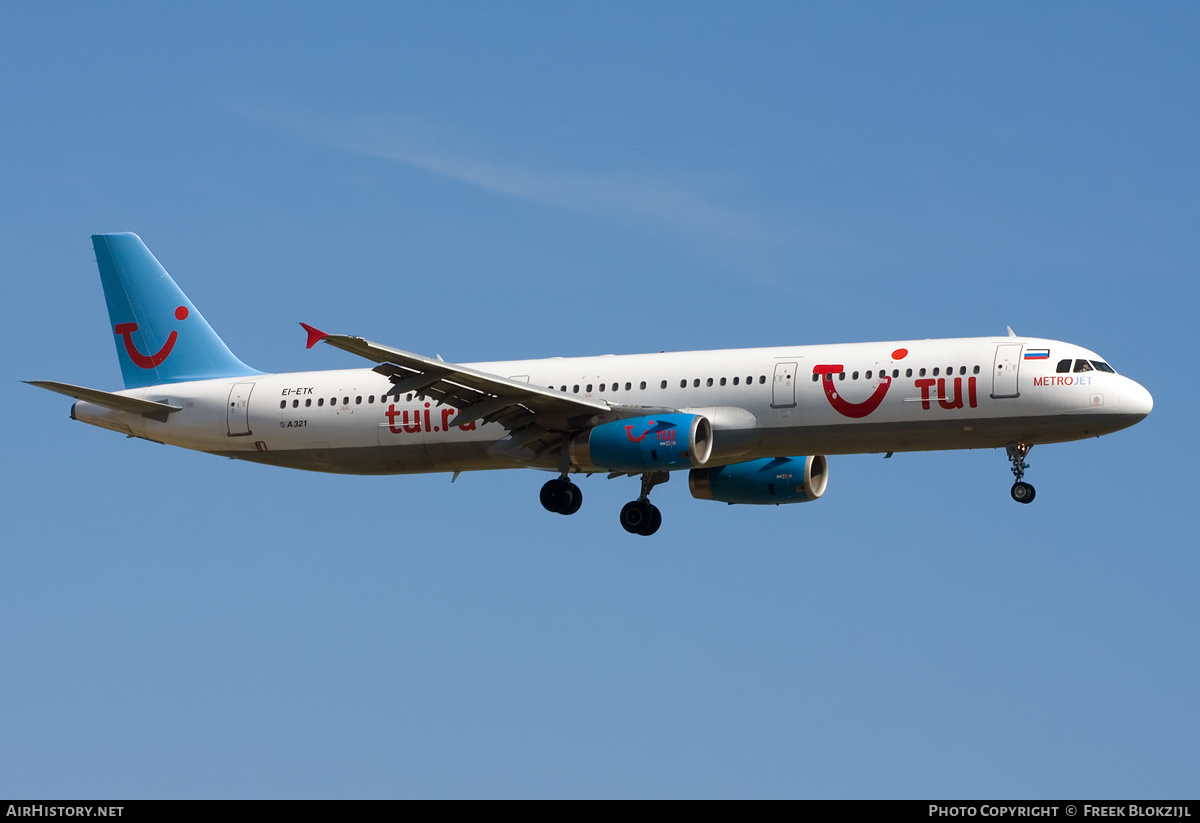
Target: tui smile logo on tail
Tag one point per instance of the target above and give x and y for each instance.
(143, 361)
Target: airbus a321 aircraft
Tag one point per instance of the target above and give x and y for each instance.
(748, 425)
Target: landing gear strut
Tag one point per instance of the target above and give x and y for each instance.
(561, 496)
(1022, 492)
(641, 516)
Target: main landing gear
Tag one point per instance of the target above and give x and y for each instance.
(1022, 492)
(561, 496)
(641, 516)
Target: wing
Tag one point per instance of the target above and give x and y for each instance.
(537, 418)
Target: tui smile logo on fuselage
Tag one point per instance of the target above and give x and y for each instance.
(843, 406)
(151, 361)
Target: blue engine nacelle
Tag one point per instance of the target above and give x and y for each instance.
(771, 481)
(638, 444)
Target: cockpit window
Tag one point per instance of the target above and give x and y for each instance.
(1083, 365)
(1102, 366)
(1064, 366)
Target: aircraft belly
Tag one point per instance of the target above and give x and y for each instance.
(319, 457)
(934, 435)
(461, 455)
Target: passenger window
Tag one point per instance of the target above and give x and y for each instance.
(722, 381)
(841, 375)
(295, 404)
(696, 383)
(1083, 365)
(307, 402)
(762, 378)
(575, 388)
(868, 374)
(683, 384)
(709, 383)
(283, 404)
(816, 377)
(962, 369)
(345, 401)
(320, 401)
(602, 387)
(908, 372)
(589, 388)
(921, 373)
(664, 385)
(358, 400)
(371, 399)
(854, 376)
(936, 371)
(629, 386)
(895, 372)
(975, 370)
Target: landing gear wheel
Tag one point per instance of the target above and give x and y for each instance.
(1022, 492)
(635, 515)
(640, 517)
(655, 521)
(561, 496)
(576, 500)
(554, 495)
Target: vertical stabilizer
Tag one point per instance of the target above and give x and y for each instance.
(160, 335)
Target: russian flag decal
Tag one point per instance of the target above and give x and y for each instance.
(1037, 354)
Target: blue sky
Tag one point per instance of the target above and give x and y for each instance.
(490, 181)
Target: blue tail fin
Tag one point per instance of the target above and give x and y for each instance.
(160, 336)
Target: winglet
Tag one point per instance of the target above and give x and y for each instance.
(315, 336)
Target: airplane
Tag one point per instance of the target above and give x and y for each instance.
(750, 426)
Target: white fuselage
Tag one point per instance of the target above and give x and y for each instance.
(797, 400)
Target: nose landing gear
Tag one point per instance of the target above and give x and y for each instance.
(1022, 492)
(641, 516)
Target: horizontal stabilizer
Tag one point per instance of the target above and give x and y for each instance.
(117, 402)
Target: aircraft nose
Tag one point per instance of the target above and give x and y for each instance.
(1136, 402)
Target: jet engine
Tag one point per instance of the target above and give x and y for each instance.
(638, 444)
(769, 481)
